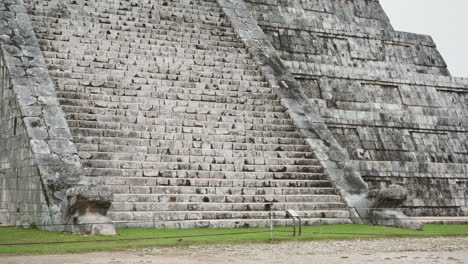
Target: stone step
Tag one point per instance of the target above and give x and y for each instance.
(123, 189)
(212, 179)
(154, 79)
(148, 82)
(102, 15)
(195, 127)
(112, 79)
(195, 159)
(202, 114)
(158, 40)
(163, 20)
(152, 122)
(119, 85)
(170, 77)
(443, 220)
(210, 215)
(118, 53)
(114, 129)
(171, 172)
(180, 81)
(164, 7)
(172, 177)
(250, 137)
(209, 198)
(188, 67)
(213, 114)
(89, 149)
(194, 140)
(229, 223)
(129, 6)
(134, 74)
(114, 89)
(46, 25)
(196, 118)
(192, 43)
(183, 107)
(112, 93)
(171, 147)
(204, 6)
(176, 166)
(232, 58)
(189, 170)
(254, 143)
(178, 69)
(168, 104)
(92, 142)
(233, 207)
(132, 12)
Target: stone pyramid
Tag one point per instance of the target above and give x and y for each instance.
(204, 113)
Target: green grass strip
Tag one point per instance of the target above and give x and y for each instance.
(18, 241)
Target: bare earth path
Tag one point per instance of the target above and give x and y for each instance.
(405, 250)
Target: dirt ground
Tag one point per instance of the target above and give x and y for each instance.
(405, 250)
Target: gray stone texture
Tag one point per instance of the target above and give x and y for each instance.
(209, 113)
(22, 201)
(306, 115)
(387, 96)
(168, 110)
(384, 208)
(39, 165)
(86, 211)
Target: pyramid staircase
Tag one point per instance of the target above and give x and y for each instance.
(168, 110)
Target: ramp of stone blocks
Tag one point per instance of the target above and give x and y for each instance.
(168, 109)
(38, 160)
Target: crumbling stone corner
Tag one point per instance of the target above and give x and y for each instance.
(84, 212)
(65, 198)
(383, 210)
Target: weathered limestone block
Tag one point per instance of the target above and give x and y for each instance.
(85, 212)
(46, 142)
(385, 208)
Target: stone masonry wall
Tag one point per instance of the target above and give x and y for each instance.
(169, 110)
(342, 38)
(193, 122)
(39, 119)
(386, 96)
(21, 194)
(343, 15)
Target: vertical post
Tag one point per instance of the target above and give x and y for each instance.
(294, 226)
(300, 226)
(271, 225)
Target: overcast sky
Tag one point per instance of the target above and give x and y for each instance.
(445, 20)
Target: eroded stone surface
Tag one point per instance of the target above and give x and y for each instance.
(38, 165)
(383, 209)
(211, 113)
(169, 110)
(386, 96)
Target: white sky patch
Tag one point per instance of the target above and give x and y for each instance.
(445, 20)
